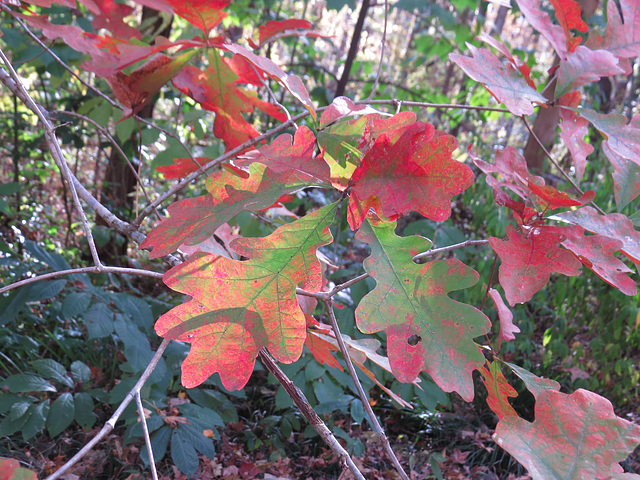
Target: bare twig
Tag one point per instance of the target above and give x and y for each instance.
(384, 41)
(115, 144)
(111, 423)
(408, 103)
(435, 251)
(147, 438)
(13, 82)
(309, 413)
(362, 394)
(72, 271)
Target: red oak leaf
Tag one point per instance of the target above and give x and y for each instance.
(239, 307)
(286, 153)
(613, 225)
(507, 328)
(203, 14)
(583, 66)
(195, 219)
(622, 138)
(215, 89)
(134, 91)
(540, 21)
(525, 70)
(503, 81)
(550, 198)
(573, 436)
(275, 27)
(528, 261)
(418, 174)
(182, 167)
(410, 301)
(596, 252)
(110, 15)
(344, 143)
(10, 468)
(626, 177)
(290, 82)
(44, 3)
(622, 37)
(573, 129)
(498, 391)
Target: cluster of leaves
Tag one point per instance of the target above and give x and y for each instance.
(246, 294)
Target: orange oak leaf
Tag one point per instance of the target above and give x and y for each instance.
(290, 82)
(498, 391)
(528, 261)
(503, 81)
(134, 91)
(215, 89)
(239, 307)
(286, 154)
(411, 301)
(182, 167)
(203, 14)
(573, 436)
(193, 220)
(417, 174)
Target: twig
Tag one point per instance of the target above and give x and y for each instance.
(384, 41)
(115, 144)
(17, 87)
(435, 251)
(111, 423)
(362, 394)
(226, 156)
(555, 163)
(309, 413)
(72, 271)
(409, 103)
(147, 438)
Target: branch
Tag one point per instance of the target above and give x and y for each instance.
(71, 271)
(362, 394)
(434, 251)
(309, 413)
(111, 423)
(13, 82)
(353, 48)
(147, 438)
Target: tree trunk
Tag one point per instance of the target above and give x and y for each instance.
(353, 48)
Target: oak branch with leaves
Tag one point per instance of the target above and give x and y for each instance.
(249, 297)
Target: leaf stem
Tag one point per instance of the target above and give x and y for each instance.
(361, 393)
(309, 413)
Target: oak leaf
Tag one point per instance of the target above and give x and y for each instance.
(503, 81)
(411, 299)
(573, 437)
(239, 307)
(528, 261)
(573, 129)
(417, 174)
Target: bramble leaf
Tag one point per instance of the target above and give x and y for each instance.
(528, 261)
(417, 174)
(195, 219)
(573, 436)
(503, 81)
(411, 299)
(239, 307)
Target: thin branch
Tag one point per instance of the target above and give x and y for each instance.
(17, 87)
(111, 423)
(362, 394)
(309, 413)
(147, 438)
(409, 103)
(115, 144)
(384, 41)
(72, 271)
(434, 251)
(555, 163)
(228, 155)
